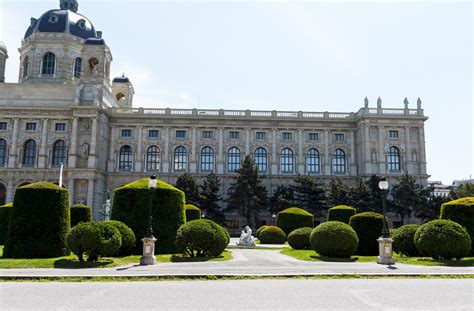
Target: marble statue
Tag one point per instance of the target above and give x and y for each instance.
(246, 238)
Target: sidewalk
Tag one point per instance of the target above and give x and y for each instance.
(245, 262)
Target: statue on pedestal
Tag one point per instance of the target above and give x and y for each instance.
(246, 238)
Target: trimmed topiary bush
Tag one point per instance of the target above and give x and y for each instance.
(80, 239)
(132, 205)
(80, 213)
(192, 212)
(341, 213)
(272, 235)
(201, 238)
(334, 239)
(5, 212)
(39, 222)
(127, 237)
(299, 238)
(293, 218)
(404, 240)
(444, 239)
(462, 212)
(368, 227)
(259, 230)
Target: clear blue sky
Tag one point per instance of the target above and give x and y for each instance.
(311, 56)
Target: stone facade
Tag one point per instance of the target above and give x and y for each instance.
(75, 115)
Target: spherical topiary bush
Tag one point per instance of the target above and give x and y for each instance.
(299, 238)
(334, 239)
(201, 238)
(127, 237)
(131, 205)
(80, 213)
(81, 238)
(272, 235)
(259, 230)
(5, 211)
(404, 240)
(368, 227)
(192, 212)
(444, 239)
(341, 213)
(107, 243)
(462, 212)
(39, 222)
(293, 218)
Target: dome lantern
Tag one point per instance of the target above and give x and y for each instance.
(70, 5)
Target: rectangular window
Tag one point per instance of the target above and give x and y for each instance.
(339, 137)
(127, 133)
(234, 135)
(287, 136)
(393, 134)
(60, 127)
(260, 135)
(180, 134)
(30, 126)
(207, 134)
(313, 136)
(154, 133)
(3, 125)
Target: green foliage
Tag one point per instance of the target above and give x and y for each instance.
(247, 193)
(404, 240)
(201, 238)
(210, 198)
(299, 238)
(80, 213)
(462, 212)
(80, 239)
(257, 234)
(39, 222)
(192, 212)
(293, 218)
(339, 193)
(463, 191)
(5, 212)
(131, 206)
(341, 213)
(309, 194)
(272, 235)
(282, 198)
(334, 239)
(408, 197)
(368, 226)
(128, 238)
(443, 239)
(189, 185)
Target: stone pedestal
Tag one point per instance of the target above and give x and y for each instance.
(148, 257)
(385, 251)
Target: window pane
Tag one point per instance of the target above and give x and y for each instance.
(59, 153)
(286, 161)
(180, 158)
(339, 162)
(233, 159)
(125, 158)
(29, 153)
(49, 61)
(3, 152)
(312, 161)
(153, 158)
(261, 159)
(207, 159)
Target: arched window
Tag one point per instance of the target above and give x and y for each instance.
(3, 152)
(25, 67)
(77, 67)
(286, 161)
(3, 194)
(29, 153)
(393, 159)
(233, 159)
(59, 153)
(180, 158)
(339, 162)
(49, 64)
(207, 159)
(312, 161)
(153, 158)
(261, 159)
(125, 158)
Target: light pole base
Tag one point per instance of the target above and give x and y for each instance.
(148, 257)
(385, 251)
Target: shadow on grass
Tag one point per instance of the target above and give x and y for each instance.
(332, 259)
(76, 264)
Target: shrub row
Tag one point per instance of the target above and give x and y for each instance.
(80, 213)
(462, 212)
(192, 212)
(5, 212)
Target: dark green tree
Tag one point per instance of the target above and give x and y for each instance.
(463, 191)
(188, 184)
(407, 197)
(210, 197)
(309, 194)
(282, 198)
(247, 194)
(376, 195)
(339, 193)
(361, 196)
(430, 206)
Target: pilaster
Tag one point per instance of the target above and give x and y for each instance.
(12, 159)
(73, 147)
(44, 143)
(327, 159)
(93, 149)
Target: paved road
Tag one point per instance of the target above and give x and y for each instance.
(245, 262)
(378, 294)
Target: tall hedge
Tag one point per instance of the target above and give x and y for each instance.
(192, 212)
(132, 205)
(341, 213)
(39, 222)
(368, 227)
(293, 218)
(5, 212)
(80, 213)
(462, 212)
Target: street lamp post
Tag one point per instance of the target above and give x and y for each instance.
(273, 219)
(148, 257)
(385, 242)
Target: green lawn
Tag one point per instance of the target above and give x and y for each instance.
(71, 262)
(310, 255)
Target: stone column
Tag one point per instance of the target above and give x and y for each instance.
(421, 143)
(352, 170)
(247, 141)
(193, 159)
(300, 164)
(90, 193)
(12, 159)
(327, 158)
(139, 155)
(220, 155)
(93, 148)
(368, 153)
(42, 163)
(381, 153)
(166, 155)
(10, 191)
(408, 163)
(73, 148)
(274, 158)
(111, 161)
(70, 185)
